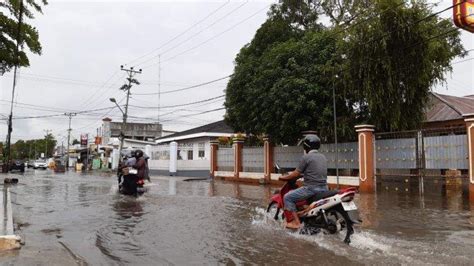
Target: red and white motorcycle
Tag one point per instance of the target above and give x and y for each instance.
(333, 211)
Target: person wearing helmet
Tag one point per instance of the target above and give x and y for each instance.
(313, 167)
(140, 164)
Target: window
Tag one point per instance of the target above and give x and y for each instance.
(202, 154)
(190, 155)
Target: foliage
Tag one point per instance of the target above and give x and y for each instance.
(395, 59)
(32, 149)
(9, 17)
(382, 67)
(75, 142)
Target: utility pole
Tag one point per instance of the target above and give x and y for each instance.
(131, 73)
(47, 131)
(159, 86)
(335, 131)
(70, 115)
(10, 117)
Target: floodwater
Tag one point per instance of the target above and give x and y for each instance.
(68, 219)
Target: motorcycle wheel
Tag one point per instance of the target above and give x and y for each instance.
(339, 219)
(273, 210)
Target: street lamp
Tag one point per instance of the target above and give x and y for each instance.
(115, 101)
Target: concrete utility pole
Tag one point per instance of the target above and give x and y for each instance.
(126, 87)
(69, 137)
(47, 131)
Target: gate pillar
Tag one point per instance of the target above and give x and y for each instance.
(469, 119)
(268, 159)
(213, 159)
(366, 158)
(238, 146)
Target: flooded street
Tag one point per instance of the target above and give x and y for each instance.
(81, 219)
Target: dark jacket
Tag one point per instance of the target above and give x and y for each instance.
(141, 167)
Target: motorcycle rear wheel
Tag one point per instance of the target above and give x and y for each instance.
(343, 224)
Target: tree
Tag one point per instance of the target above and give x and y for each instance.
(9, 32)
(395, 58)
(75, 142)
(382, 67)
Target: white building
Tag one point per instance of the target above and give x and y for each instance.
(193, 149)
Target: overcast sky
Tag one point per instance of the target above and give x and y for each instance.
(85, 42)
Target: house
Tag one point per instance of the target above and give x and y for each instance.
(194, 144)
(444, 111)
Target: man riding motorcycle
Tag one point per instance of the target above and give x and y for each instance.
(313, 167)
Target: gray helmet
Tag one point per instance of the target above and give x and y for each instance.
(310, 142)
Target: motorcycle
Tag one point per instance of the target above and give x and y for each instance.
(130, 184)
(333, 211)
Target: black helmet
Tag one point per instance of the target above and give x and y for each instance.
(138, 153)
(310, 142)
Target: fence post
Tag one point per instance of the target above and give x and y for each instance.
(213, 159)
(238, 146)
(268, 159)
(469, 119)
(366, 158)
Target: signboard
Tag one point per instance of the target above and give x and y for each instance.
(463, 14)
(84, 138)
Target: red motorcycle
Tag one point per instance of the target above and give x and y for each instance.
(333, 211)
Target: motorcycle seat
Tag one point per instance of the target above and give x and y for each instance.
(322, 195)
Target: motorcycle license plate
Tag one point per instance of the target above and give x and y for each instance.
(132, 171)
(349, 206)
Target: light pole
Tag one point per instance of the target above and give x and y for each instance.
(47, 131)
(335, 131)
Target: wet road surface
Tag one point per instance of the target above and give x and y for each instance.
(75, 218)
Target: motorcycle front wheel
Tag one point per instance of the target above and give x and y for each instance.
(340, 223)
(273, 210)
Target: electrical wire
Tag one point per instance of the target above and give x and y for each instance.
(209, 39)
(196, 34)
(177, 105)
(186, 88)
(180, 34)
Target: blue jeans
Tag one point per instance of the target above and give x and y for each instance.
(299, 194)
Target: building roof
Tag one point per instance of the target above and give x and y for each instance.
(446, 107)
(219, 128)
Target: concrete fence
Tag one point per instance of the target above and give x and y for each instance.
(360, 161)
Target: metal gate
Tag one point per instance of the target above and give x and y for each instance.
(420, 152)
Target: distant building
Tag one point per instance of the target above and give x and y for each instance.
(447, 111)
(132, 131)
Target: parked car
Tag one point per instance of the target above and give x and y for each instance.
(17, 165)
(40, 164)
(30, 164)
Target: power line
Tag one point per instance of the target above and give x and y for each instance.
(177, 105)
(186, 88)
(196, 34)
(212, 38)
(180, 34)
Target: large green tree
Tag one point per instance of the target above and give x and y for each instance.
(9, 26)
(382, 57)
(394, 59)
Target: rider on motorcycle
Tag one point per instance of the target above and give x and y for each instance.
(313, 167)
(140, 164)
